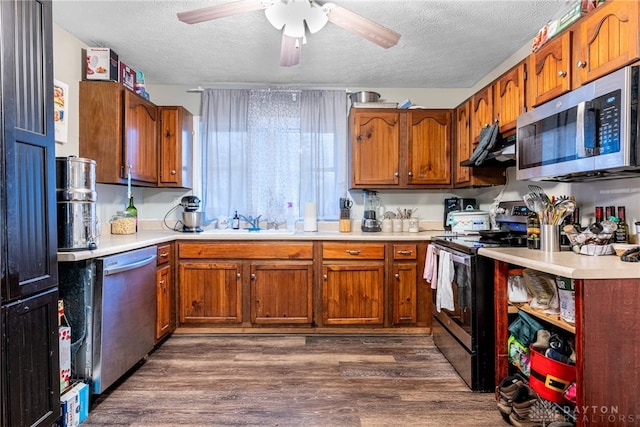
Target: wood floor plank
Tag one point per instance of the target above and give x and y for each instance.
(294, 380)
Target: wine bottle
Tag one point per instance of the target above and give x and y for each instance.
(132, 208)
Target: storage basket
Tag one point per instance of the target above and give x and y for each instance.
(550, 378)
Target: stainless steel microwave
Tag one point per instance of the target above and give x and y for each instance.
(587, 134)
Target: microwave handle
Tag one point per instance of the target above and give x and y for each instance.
(586, 130)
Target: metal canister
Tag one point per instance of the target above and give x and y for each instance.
(76, 203)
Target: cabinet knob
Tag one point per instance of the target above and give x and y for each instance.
(324, 276)
(562, 73)
(396, 174)
(238, 275)
(397, 276)
(253, 276)
(581, 64)
(410, 173)
(161, 282)
(353, 251)
(173, 171)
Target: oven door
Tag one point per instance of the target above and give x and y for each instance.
(452, 300)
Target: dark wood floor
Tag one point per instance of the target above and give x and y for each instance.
(294, 380)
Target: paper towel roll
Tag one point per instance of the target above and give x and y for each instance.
(310, 217)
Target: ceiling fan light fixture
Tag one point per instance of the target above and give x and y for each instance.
(292, 15)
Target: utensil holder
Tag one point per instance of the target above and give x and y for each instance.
(549, 238)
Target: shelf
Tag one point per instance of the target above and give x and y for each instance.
(554, 319)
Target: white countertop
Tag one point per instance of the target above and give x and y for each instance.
(111, 244)
(566, 263)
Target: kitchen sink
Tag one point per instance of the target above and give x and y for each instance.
(228, 232)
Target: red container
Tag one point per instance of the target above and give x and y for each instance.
(550, 378)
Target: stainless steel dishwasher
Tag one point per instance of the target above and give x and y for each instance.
(124, 315)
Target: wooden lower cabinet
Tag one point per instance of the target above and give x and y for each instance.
(281, 292)
(165, 314)
(210, 291)
(404, 292)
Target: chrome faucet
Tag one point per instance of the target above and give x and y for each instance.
(253, 222)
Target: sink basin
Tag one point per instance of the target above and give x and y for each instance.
(245, 231)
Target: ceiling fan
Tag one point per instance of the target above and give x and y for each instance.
(294, 18)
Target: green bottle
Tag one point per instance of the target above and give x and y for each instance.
(132, 208)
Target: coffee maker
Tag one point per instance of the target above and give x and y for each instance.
(191, 219)
(370, 221)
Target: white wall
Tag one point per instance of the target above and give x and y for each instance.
(155, 203)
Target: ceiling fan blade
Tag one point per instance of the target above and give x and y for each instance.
(220, 11)
(361, 26)
(290, 51)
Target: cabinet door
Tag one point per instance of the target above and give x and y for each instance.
(163, 298)
(375, 142)
(140, 121)
(609, 39)
(481, 111)
(176, 147)
(510, 98)
(281, 292)
(550, 74)
(210, 292)
(353, 294)
(429, 148)
(30, 352)
(28, 242)
(404, 292)
(463, 147)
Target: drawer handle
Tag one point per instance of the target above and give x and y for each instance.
(164, 254)
(405, 252)
(353, 251)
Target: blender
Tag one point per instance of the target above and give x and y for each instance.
(191, 219)
(370, 222)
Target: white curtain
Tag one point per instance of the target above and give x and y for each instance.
(265, 148)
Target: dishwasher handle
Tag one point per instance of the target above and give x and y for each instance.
(131, 266)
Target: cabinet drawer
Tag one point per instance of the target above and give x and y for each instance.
(247, 250)
(164, 253)
(405, 251)
(353, 250)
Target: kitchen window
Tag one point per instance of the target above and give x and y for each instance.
(264, 148)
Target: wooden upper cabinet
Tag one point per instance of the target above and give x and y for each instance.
(375, 141)
(175, 141)
(429, 147)
(609, 39)
(393, 148)
(117, 129)
(481, 111)
(550, 70)
(462, 148)
(140, 121)
(510, 98)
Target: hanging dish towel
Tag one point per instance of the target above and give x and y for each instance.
(431, 267)
(444, 294)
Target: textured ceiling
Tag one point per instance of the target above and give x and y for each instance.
(444, 43)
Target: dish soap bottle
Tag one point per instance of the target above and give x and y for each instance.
(236, 222)
(132, 210)
(291, 217)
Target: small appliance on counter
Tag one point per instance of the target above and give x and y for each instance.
(191, 218)
(76, 204)
(456, 204)
(370, 221)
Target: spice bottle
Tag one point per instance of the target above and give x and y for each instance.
(533, 231)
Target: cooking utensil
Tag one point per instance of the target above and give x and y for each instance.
(364, 96)
(493, 234)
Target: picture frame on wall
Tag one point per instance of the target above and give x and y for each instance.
(60, 111)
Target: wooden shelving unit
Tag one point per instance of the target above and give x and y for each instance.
(554, 319)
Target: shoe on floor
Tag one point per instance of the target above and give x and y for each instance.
(504, 394)
(523, 399)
